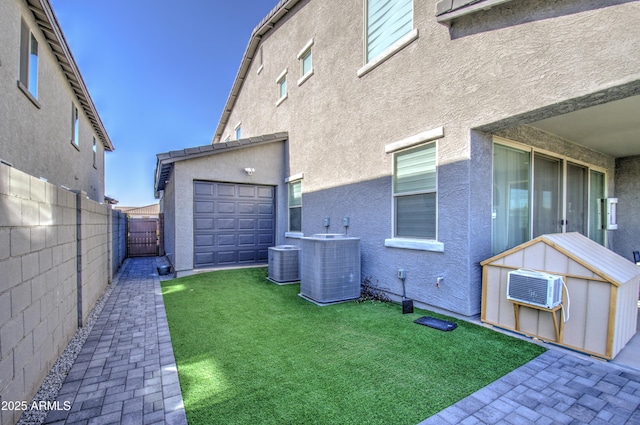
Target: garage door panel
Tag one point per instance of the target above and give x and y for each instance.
(225, 207)
(247, 239)
(227, 241)
(265, 224)
(226, 224)
(265, 209)
(233, 223)
(225, 190)
(248, 256)
(265, 192)
(203, 207)
(245, 208)
(227, 257)
(204, 257)
(246, 191)
(246, 224)
(202, 188)
(204, 224)
(263, 255)
(203, 240)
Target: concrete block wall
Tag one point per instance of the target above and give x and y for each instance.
(40, 275)
(118, 238)
(93, 253)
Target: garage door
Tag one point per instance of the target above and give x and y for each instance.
(234, 224)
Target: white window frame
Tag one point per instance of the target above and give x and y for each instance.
(420, 139)
(261, 62)
(304, 53)
(75, 126)
(395, 47)
(29, 63)
(280, 82)
(237, 130)
(289, 181)
(95, 153)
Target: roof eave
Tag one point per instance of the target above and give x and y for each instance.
(165, 160)
(58, 44)
(267, 23)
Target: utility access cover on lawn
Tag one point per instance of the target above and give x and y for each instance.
(233, 224)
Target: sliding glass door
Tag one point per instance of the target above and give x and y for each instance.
(577, 210)
(546, 195)
(511, 220)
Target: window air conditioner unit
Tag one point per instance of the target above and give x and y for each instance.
(535, 288)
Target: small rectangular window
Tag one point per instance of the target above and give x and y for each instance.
(281, 81)
(307, 63)
(28, 60)
(295, 206)
(305, 56)
(238, 130)
(95, 152)
(414, 191)
(75, 126)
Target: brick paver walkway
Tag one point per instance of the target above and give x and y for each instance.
(126, 372)
(554, 388)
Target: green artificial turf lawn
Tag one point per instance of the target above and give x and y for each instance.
(252, 352)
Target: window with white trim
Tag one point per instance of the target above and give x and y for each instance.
(305, 56)
(281, 81)
(28, 78)
(295, 206)
(75, 126)
(95, 152)
(415, 192)
(387, 22)
(238, 130)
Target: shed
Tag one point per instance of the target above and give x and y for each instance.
(599, 310)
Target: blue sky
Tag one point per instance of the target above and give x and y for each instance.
(159, 72)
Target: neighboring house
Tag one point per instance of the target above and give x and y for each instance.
(441, 133)
(49, 126)
(148, 211)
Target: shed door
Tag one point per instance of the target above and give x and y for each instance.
(234, 224)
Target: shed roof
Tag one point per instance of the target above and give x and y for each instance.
(167, 159)
(591, 255)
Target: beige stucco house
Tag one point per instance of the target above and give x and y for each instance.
(49, 126)
(440, 133)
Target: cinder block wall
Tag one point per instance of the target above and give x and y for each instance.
(39, 276)
(93, 253)
(118, 239)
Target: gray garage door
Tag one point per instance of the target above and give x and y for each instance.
(234, 224)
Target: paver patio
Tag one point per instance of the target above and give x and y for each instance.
(126, 372)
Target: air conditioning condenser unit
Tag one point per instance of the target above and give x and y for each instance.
(535, 288)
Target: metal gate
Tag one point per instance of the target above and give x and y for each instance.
(143, 237)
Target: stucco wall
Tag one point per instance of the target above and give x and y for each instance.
(168, 208)
(268, 162)
(628, 192)
(38, 140)
(488, 67)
